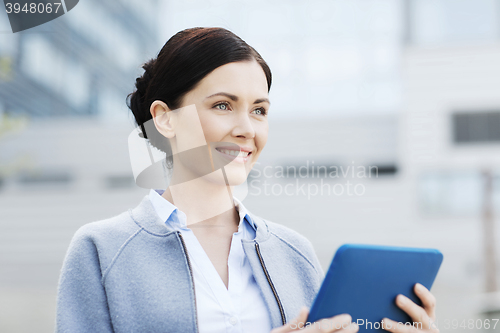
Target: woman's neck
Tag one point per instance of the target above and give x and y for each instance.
(204, 199)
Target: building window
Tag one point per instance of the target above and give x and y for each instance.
(471, 127)
(450, 193)
(119, 181)
(45, 178)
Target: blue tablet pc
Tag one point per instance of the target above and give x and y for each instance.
(364, 280)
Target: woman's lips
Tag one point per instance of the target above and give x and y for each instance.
(234, 155)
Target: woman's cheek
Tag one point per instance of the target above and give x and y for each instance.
(262, 135)
(210, 129)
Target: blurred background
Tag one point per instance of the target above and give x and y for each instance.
(406, 93)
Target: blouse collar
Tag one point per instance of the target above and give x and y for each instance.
(172, 216)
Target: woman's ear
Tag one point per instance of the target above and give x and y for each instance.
(162, 118)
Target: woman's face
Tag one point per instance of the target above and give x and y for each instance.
(232, 105)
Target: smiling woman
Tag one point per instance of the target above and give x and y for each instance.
(191, 257)
(230, 108)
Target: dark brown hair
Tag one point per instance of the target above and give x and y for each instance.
(185, 59)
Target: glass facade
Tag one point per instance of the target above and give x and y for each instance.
(83, 63)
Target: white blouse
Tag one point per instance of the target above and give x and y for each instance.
(240, 307)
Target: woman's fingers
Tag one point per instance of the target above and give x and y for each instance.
(295, 324)
(423, 316)
(417, 313)
(300, 320)
(395, 327)
(428, 300)
(339, 323)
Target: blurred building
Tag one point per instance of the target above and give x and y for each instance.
(75, 73)
(83, 63)
(450, 131)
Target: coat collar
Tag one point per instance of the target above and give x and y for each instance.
(145, 216)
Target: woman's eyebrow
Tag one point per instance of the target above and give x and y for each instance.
(260, 100)
(235, 98)
(230, 96)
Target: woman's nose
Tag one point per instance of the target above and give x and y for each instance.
(243, 126)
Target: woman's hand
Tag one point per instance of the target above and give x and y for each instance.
(339, 323)
(423, 317)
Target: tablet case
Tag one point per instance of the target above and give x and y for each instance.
(364, 280)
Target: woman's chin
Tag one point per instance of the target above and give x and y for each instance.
(235, 174)
(226, 177)
(237, 181)
(234, 179)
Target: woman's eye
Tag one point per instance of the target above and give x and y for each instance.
(222, 106)
(260, 111)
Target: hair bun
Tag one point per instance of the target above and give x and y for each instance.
(136, 100)
(142, 82)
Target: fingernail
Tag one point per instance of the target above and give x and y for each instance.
(419, 286)
(402, 299)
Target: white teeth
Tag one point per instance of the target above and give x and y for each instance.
(233, 152)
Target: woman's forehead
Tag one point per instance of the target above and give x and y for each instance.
(236, 78)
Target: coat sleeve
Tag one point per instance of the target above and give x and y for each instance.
(81, 299)
(300, 243)
(311, 254)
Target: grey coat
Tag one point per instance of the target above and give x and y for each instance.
(130, 273)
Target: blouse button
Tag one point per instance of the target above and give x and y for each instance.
(233, 320)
